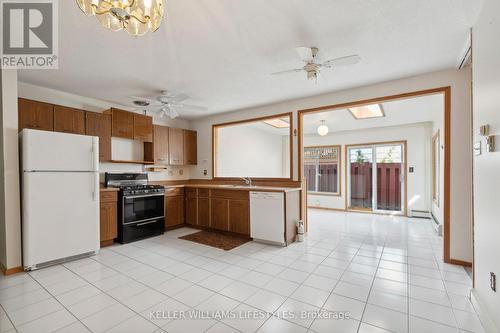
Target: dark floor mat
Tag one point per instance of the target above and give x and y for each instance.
(215, 239)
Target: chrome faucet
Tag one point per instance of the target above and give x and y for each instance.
(248, 181)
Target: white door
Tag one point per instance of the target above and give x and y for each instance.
(53, 151)
(60, 215)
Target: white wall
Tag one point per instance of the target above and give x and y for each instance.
(123, 149)
(486, 67)
(418, 156)
(247, 151)
(3, 250)
(10, 234)
(461, 161)
(437, 208)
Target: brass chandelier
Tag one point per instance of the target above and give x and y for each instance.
(135, 16)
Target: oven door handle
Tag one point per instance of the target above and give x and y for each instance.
(143, 196)
(146, 223)
(148, 220)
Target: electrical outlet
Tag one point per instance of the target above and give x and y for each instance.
(493, 281)
(205, 172)
(181, 172)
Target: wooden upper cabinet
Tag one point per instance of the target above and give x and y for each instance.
(143, 128)
(69, 120)
(176, 146)
(122, 123)
(190, 147)
(98, 124)
(36, 115)
(160, 144)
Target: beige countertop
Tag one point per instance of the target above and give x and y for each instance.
(239, 187)
(221, 187)
(108, 189)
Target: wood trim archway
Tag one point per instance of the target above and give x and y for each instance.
(446, 91)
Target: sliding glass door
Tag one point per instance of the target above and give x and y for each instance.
(376, 176)
(360, 178)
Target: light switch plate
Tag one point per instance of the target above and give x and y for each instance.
(477, 148)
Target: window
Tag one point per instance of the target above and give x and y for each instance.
(367, 111)
(435, 168)
(322, 169)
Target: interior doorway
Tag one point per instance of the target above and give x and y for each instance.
(337, 124)
(376, 177)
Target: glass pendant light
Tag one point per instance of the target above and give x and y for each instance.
(323, 129)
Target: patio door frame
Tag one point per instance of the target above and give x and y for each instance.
(404, 187)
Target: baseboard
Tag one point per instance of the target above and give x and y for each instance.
(107, 243)
(419, 214)
(327, 208)
(11, 271)
(459, 262)
(437, 226)
(484, 317)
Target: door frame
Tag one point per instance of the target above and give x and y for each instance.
(404, 192)
(446, 92)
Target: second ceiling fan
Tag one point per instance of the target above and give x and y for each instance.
(312, 68)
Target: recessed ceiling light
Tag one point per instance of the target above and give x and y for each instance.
(323, 129)
(277, 123)
(367, 111)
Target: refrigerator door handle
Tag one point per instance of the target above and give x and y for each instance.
(95, 186)
(95, 153)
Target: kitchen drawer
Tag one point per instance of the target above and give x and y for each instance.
(109, 196)
(203, 192)
(174, 191)
(191, 192)
(229, 194)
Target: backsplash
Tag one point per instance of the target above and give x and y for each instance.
(171, 173)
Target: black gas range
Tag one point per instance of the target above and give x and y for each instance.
(141, 206)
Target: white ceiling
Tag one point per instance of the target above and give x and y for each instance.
(400, 112)
(221, 52)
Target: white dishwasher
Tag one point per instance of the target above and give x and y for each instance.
(267, 217)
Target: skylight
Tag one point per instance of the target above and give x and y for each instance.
(277, 123)
(367, 111)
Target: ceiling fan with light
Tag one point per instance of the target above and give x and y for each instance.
(313, 68)
(166, 104)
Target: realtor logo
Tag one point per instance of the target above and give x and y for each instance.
(29, 34)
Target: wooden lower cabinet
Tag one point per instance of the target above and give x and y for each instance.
(239, 216)
(224, 210)
(192, 210)
(174, 206)
(108, 218)
(204, 212)
(219, 214)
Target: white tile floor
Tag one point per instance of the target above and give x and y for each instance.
(386, 271)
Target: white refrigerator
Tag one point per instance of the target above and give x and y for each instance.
(60, 197)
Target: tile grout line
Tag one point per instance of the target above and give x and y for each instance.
(8, 318)
(55, 298)
(248, 255)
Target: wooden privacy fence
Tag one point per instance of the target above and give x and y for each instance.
(327, 181)
(361, 185)
(388, 185)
